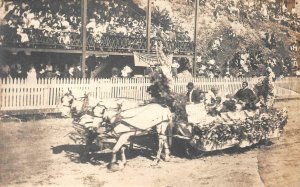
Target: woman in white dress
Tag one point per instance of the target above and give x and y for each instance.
(31, 75)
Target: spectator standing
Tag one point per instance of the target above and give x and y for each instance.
(5, 71)
(71, 71)
(57, 72)
(115, 72)
(175, 65)
(42, 71)
(49, 67)
(126, 71)
(49, 70)
(17, 71)
(65, 73)
(77, 72)
(31, 74)
(227, 76)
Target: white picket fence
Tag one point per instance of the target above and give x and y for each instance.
(44, 94)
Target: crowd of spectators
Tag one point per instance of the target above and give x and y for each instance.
(247, 11)
(116, 18)
(249, 60)
(28, 22)
(246, 62)
(121, 24)
(57, 24)
(35, 71)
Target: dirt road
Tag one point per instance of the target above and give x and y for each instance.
(38, 153)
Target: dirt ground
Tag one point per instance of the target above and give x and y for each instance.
(39, 153)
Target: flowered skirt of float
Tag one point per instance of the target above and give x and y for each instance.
(231, 129)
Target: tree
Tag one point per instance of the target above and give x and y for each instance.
(161, 18)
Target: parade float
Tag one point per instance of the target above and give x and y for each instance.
(112, 124)
(202, 130)
(230, 129)
(193, 129)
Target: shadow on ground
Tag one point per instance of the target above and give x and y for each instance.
(183, 149)
(143, 146)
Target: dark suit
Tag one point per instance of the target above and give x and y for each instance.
(247, 96)
(195, 97)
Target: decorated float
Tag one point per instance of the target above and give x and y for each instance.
(193, 128)
(201, 127)
(229, 129)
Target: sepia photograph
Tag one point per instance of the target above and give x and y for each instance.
(150, 93)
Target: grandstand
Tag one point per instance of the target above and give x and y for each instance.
(236, 38)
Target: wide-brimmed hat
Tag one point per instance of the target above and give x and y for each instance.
(190, 84)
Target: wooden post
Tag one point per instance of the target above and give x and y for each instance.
(83, 31)
(195, 37)
(148, 14)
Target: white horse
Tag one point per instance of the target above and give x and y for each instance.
(130, 121)
(136, 122)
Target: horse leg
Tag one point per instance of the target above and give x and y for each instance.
(131, 146)
(164, 138)
(163, 145)
(113, 158)
(162, 142)
(123, 156)
(168, 141)
(158, 154)
(167, 151)
(121, 141)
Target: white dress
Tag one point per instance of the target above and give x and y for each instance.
(31, 76)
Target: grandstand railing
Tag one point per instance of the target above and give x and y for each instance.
(116, 43)
(20, 95)
(43, 39)
(38, 38)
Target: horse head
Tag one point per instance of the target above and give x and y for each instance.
(111, 116)
(99, 110)
(79, 105)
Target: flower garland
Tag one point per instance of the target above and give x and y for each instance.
(242, 133)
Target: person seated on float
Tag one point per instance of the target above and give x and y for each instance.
(210, 96)
(229, 104)
(245, 97)
(217, 107)
(193, 95)
(154, 93)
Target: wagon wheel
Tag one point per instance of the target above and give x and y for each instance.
(87, 150)
(89, 146)
(192, 152)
